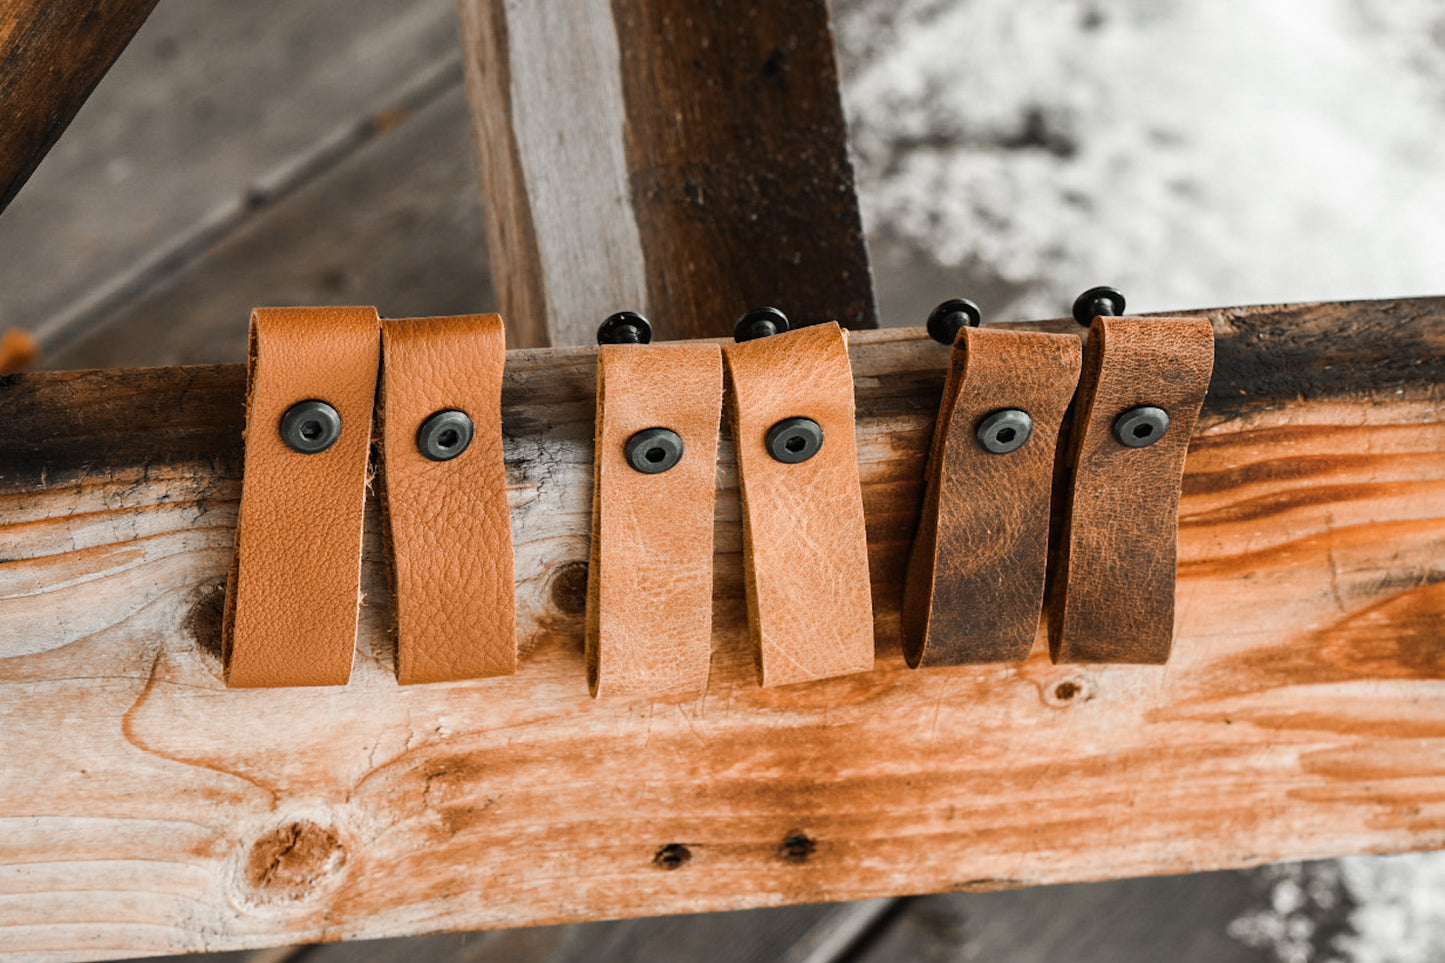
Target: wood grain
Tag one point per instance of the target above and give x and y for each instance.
(145, 808)
(684, 159)
(52, 54)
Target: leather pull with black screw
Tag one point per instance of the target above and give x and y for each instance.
(294, 590)
(975, 583)
(444, 484)
(1143, 383)
(805, 549)
(649, 586)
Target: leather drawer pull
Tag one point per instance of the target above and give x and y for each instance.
(975, 585)
(294, 589)
(1112, 592)
(649, 585)
(444, 487)
(805, 548)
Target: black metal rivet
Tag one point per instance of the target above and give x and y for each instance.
(952, 316)
(1141, 427)
(760, 323)
(310, 426)
(445, 435)
(625, 327)
(795, 440)
(654, 450)
(1102, 301)
(1005, 430)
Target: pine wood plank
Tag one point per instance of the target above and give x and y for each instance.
(684, 159)
(144, 808)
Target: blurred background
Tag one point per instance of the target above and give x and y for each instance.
(1012, 151)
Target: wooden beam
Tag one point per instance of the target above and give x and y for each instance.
(52, 54)
(144, 808)
(684, 159)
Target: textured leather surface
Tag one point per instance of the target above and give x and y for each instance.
(295, 586)
(449, 526)
(1112, 591)
(805, 550)
(649, 587)
(975, 585)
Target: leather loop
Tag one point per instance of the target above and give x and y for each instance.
(805, 550)
(1112, 592)
(295, 584)
(975, 585)
(448, 521)
(649, 588)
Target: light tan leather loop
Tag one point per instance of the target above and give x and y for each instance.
(295, 584)
(449, 526)
(805, 549)
(1112, 591)
(649, 588)
(975, 585)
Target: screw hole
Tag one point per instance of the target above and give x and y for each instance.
(1143, 431)
(449, 438)
(672, 856)
(311, 430)
(1006, 435)
(1066, 691)
(655, 455)
(795, 444)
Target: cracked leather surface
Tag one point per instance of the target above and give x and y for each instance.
(649, 587)
(805, 549)
(294, 590)
(975, 585)
(1111, 597)
(449, 525)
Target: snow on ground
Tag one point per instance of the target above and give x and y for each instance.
(1194, 154)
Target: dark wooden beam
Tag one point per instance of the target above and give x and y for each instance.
(52, 54)
(686, 159)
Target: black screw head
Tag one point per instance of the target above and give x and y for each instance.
(445, 435)
(653, 451)
(625, 327)
(1141, 427)
(760, 323)
(310, 426)
(1006, 430)
(794, 440)
(952, 316)
(1095, 302)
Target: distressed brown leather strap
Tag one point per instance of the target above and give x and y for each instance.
(975, 585)
(1112, 592)
(805, 550)
(449, 526)
(649, 589)
(295, 584)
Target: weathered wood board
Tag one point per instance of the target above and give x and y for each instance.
(688, 160)
(145, 808)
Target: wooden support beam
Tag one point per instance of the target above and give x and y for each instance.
(144, 808)
(685, 159)
(52, 54)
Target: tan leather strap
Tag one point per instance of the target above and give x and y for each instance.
(649, 589)
(449, 526)
(975, 585)
(1112, 593)
(805, 550)
(295, 583)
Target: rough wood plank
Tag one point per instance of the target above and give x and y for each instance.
(144, 808)
(214, 110)
(685, 159)
(52, 54)
(411, 249)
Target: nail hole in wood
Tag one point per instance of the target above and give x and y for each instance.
(672, 856)
(797, 847)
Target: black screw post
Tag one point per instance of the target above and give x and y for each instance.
(760, 323)
(1097, 302)
(951, 317)
(625, 327)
